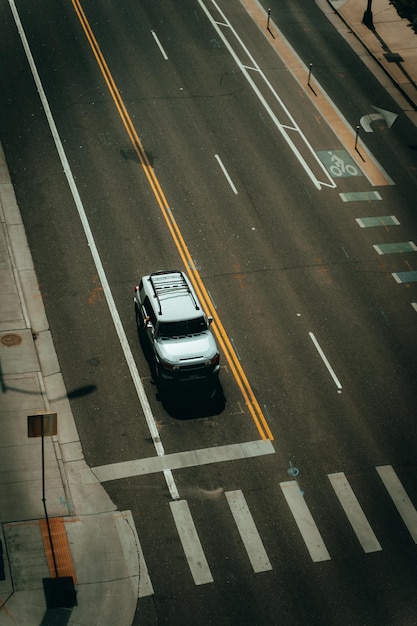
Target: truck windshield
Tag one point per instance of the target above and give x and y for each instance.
(182, 328)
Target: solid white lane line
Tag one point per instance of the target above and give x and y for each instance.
(179, 460)
(354, 512)
(158, 43)
(325, 361)
(248, 531)
(193, 550)
(217, 25)
(400, 498)
(305, 522)
(226, 173)
(94, 252)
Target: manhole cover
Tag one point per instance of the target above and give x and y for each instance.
(11, 340)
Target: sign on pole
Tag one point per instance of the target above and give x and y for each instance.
(43, 424)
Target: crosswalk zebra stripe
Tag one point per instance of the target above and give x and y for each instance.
(357, 196)
(305, 522)
(400, 498)
(382, 220)
(193, 550)
(354, 512)
(395, 248)
(248, 531)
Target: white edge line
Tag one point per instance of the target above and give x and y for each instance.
(226, 173)
(94, 252)
(325, 361)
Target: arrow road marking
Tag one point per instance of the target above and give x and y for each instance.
(387, 116)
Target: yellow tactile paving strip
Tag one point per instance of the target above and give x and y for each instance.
(342, 130)
(62, 552)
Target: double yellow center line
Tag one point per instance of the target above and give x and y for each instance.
(221, 336)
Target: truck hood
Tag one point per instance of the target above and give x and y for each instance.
(187, 349)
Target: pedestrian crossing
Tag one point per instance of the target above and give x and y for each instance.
(354, 512)
(303, 517)
(390, 248)
(305, 522)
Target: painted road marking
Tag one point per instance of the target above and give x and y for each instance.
(248, 531)
(414, 305)
(287, 125)
(363, 159)
(394, 248)
(305, 522)
(382, 220)
(354, 513)
(405, 277)
(86, 225)
(193, 550)
(158, 43)
(326, 362)
(226, 173)
(195, 278)
(359, 196)
(338, 163)
(400, 498)
(179, 460)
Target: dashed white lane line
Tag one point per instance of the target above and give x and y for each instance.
(158, 43)
(326, 362)
(354, 512)
(193, 550)
(248, 531)
(226, 173)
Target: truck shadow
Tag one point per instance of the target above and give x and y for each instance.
(191, 404)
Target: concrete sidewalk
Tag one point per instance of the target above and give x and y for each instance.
(391, 42)
(93, 544)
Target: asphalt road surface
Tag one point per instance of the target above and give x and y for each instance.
(159, 135)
